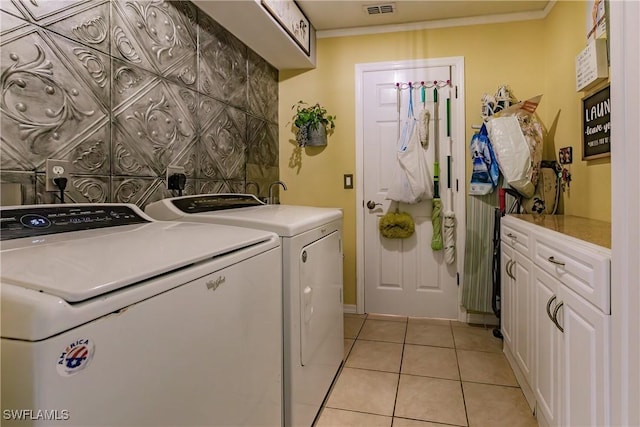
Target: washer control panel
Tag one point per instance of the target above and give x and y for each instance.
(37, 221)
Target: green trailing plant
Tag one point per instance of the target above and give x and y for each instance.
(308, 117)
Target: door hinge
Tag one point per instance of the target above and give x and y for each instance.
(458, 279)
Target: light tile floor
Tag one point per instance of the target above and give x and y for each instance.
(410, 372)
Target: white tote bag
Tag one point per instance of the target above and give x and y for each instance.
(411, 181)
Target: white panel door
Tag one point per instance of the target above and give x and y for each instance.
(404, 276)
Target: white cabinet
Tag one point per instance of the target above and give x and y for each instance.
(560, 286)
(573, 332)
(252, 24)
(516, 293)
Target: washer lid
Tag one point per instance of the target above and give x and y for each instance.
(79, 265)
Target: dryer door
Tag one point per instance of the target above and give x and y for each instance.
(321, 324)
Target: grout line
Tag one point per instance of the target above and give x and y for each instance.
(404, 340)
(426, 422)
(379, 342)
(360, 412)
(493, 384)
(464, 401)
(429, 345)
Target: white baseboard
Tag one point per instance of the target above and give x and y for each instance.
(350, 308)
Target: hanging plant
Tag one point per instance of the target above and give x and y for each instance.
(312, 124)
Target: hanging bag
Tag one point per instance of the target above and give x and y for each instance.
(410, 182)
(485, 173)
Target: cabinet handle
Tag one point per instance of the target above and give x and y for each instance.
(553, 260)
(513, 236)
(549, 308)
(555, 316)
(513, 276)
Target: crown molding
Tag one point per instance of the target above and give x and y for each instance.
(444, 23)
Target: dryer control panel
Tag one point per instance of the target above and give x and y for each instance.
(37, 221)
(214, 202)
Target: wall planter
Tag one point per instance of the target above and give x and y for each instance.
(316, 137)
(312, 123)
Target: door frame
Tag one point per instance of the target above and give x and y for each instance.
(625, 213)
(459, 150)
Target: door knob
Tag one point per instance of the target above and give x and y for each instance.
(372, 205)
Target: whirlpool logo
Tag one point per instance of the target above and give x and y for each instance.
(214, 284)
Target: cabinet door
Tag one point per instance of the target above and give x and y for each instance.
(522, 291)
(506, 295)
(546, 375)
(584, 350)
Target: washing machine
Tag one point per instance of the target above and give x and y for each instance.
(110, 318)
(311, 241)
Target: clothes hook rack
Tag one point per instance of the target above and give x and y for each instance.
(427, 85)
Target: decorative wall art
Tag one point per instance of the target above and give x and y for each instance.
(596, 124)
(124, 88)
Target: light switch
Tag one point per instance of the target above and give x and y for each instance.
(348, 181)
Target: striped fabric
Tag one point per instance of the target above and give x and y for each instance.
(478, 282)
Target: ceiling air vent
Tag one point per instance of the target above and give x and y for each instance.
(379, 9)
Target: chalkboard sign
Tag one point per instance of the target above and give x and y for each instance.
(596, 125)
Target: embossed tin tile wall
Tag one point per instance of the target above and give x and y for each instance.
(124, 88)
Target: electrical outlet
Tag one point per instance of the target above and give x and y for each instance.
(171, 169)
(56, 169)
(565, 155)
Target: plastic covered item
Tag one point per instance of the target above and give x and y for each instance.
(485, 172)
(517, 136)
(411, 181)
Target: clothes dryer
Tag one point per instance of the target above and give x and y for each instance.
(312, 281)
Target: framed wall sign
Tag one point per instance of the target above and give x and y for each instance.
(292, 19)
(596, 124)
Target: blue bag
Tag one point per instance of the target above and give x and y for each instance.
(484, 178)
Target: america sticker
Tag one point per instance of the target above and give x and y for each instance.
(75, 357)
